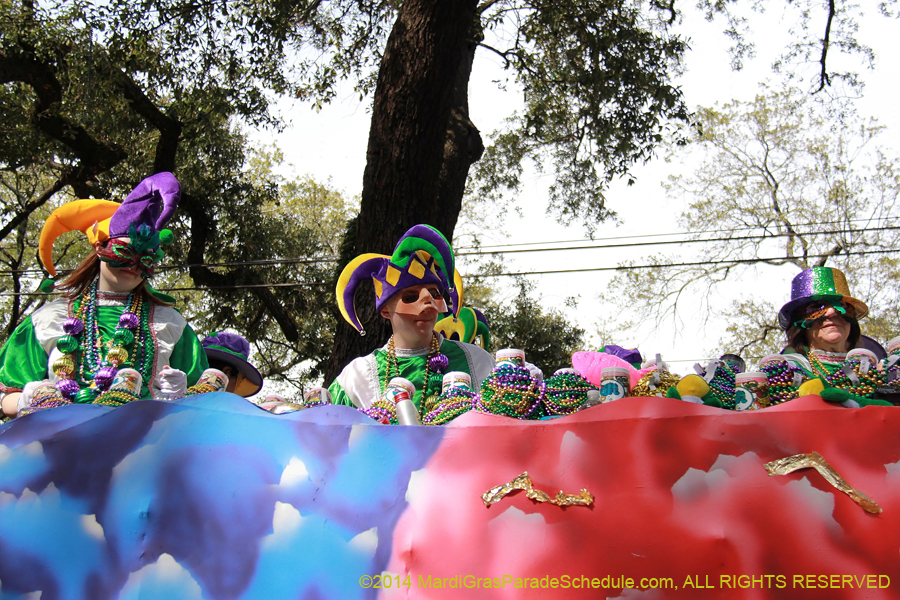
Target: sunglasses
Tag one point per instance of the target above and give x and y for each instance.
(816, 311)
(412, 296)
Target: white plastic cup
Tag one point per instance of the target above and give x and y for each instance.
(215, 378)
(863, 352)
(514, 356)
(453, 379)
(128, 381)
(751, 390)
(593, 399)
(317, 394)
(893, 345)
(569, 370)
(398, 389)
(615, 384)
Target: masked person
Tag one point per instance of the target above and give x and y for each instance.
(821, 321)
(412, 290)
(109, 317)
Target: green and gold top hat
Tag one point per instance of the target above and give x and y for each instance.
(819, 284)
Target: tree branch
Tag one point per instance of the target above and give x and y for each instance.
(94, 156)
(169, 128)
(823, 74)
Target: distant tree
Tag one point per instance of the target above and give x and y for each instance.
(96, 95)
(521, 321)
(781, 182)
(284, 233)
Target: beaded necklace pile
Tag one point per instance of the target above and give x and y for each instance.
(780, 375)
(511, 390)
(435, 365)
(88, 365)
(850, 376)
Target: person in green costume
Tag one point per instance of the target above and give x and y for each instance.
(109, 318)
(412, 290)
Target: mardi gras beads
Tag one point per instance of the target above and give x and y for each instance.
(126, 387)
(82, 378)
(511, 390)
(435, 365)
(456, 399)
(451, 404)
(451, 379)
(566, 392)
(722, 382)
(383, 411)
(44, 395)
(857, 375)
(780, 376)
(655, 383)
(64, 366)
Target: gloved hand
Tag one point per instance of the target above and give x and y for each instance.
(26, 399)
(534, 371)
(169, 384)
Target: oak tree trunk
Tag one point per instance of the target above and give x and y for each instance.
(421, 144)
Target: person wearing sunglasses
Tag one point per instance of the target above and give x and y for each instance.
(71, 350)
(412, 291)
(821, 320)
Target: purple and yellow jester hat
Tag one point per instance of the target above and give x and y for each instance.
(141, 217)
(421, 257)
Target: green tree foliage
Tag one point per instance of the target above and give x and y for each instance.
(521, 321)
(785, 180)
(283, 233)
(96, 95)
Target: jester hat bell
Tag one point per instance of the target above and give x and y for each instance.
(421, 257)
(146, 209)
(819, 284)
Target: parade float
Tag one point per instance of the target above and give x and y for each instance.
(645, 497)
(607, 479)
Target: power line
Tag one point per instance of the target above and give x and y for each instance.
(690, 264)
(688, 241)
(652, 235)
(323, 259)
(735, 261)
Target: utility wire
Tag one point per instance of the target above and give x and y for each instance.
(520, 273)
(686, 264)
(323, 259)
(663, 243)
(652, 235)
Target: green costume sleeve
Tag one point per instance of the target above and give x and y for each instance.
(22, 359)
(339, 396)
(189, 356)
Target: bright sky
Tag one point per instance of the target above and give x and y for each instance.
(332, 144)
